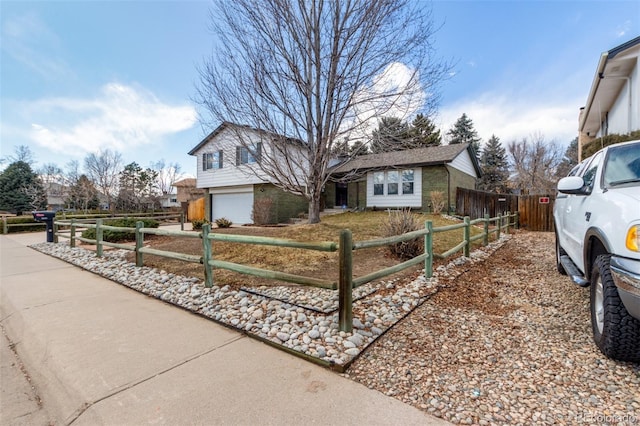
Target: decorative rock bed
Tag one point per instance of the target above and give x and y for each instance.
(303, 320)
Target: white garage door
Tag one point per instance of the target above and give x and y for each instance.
(235, 206)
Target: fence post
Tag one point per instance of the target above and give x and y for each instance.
(99, 237)
(345, 285)
(5, 228)
(428, 248)
(499, 223)
(485, 237)
(508, 220)
(467, 236)
(72, 234)
(182, 221)
(206, 255)
(55, 231)
(139, 242)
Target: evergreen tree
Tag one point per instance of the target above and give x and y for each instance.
(495, 168)
(20, 189)
(463, 132)
(424, 132)
(570, 159)
(392, 134)
(137, 187)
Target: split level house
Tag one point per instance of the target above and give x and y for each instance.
(233, 184)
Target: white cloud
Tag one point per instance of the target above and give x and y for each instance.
(121, 118)
(513, 118)
(373, 102)
(623, 29)
(28, 40)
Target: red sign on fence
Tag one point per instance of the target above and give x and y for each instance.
(543, 200)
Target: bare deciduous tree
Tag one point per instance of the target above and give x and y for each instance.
(534, 162)
(168, 174)
(311, 72)
(103, 170)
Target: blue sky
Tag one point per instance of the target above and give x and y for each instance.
(82, 75)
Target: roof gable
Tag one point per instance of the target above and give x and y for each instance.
(429, 156)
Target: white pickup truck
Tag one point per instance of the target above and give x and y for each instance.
(597, 222)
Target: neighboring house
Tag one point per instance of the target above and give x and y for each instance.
(228, 172)
(169, 200)
(613, 104)
(403, 178)
(186, 190)
(56, 196)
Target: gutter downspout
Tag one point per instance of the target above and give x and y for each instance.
(448, 189)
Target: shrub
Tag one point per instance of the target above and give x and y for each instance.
(400, 222)
(437, 201)
(118, 236)
(223, 223)
(196, 224)
(261, 213)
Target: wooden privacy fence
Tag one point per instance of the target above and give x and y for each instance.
(346, 282)
(195, 210)
(536, 211)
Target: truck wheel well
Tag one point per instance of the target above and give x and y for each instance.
(595, 249)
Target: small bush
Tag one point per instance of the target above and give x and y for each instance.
(223, 223)
(196, 224)
(119, 236)
(437, 201)
(261, 213)
(400, 222)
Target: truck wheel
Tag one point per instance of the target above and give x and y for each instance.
(615, 332)
(559, 252)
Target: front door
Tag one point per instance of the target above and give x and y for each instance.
(342, 198)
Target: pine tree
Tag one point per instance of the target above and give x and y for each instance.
(392, 134)
(463, 132)
(20, 189)
(495, 168)
(570, 159)
(424, 132)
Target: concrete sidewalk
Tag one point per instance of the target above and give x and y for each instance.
(99, 353)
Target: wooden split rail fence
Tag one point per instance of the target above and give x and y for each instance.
(346, 282)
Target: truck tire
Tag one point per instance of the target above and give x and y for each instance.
(615, 332)
(559, 252)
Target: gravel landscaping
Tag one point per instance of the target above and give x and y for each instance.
(508, 341)
(499, 338)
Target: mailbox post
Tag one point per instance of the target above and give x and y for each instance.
(47, 217)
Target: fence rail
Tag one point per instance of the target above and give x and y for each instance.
(345, 247)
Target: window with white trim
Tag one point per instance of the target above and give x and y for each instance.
(212, 160)
(246, 155)
(393, 182)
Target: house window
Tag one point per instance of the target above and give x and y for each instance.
(248, 155)
(392, 180)
(407, 182)
(378, 183)
(212, 160)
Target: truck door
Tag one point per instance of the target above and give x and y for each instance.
(578, 210)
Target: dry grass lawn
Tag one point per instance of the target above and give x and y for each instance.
(364, 226)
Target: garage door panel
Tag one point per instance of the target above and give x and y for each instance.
(236, 207)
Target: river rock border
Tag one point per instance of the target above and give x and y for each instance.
(303, 320)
